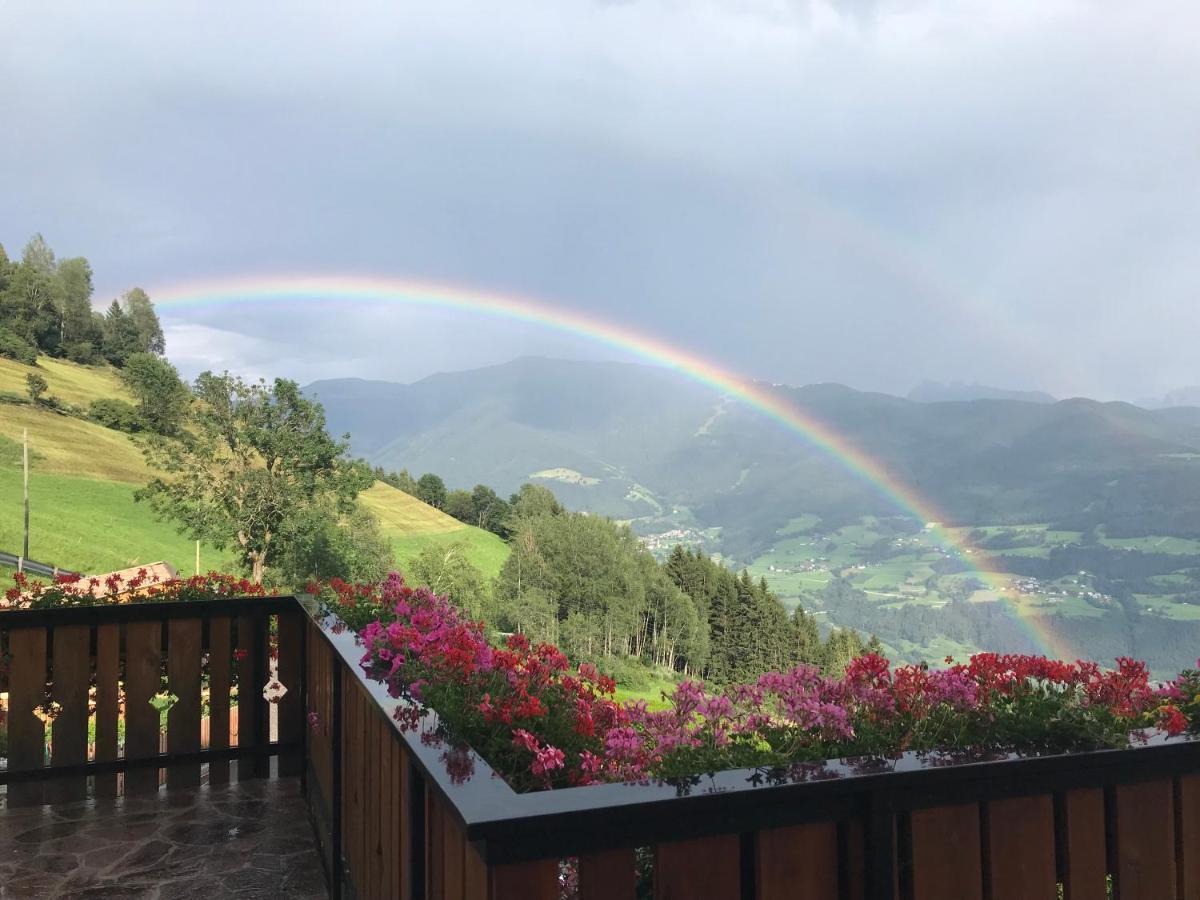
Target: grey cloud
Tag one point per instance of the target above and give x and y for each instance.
(871, 192)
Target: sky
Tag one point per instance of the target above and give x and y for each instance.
(870, 192)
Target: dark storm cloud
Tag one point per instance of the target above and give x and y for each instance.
(870, 192)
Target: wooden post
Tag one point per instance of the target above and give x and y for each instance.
(197, 557)
(25, 467)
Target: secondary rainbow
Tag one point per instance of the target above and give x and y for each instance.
(341, 288)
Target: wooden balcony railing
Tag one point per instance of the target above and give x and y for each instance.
(104, 665)
(393, 822)
(401, 825)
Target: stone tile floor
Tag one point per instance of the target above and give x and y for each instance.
(249, 841)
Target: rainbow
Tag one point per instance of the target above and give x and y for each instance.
(761, 397)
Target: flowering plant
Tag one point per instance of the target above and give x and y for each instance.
(143, 587)
(543, 723)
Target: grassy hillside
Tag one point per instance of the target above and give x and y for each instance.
(84, 517)
(70, 382)
(412, 525)
(92, 526)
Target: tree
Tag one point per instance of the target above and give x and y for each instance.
(534, 500)
(432, 490)
(140, 311)
(38, 256)
(460, 505)
(257, 458)
(323, 542)
(36, 385)
(120, 335)
(80, 336)
(162, 396)
(30, 306)
(491, 511)
(445, 569)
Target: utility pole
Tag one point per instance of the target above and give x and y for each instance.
(25, 466)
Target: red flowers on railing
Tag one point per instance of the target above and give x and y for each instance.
(542, 723)
(141, 587)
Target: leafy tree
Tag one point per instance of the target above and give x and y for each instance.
(460, 505)
(30, 304)
(80, 332)
(140, 311)
(162, 396)
(446, 570)
(257, 458)
(491, 510)
(120, 338)
(432, 490)
(321, 541)
(534, 500)
(38, 256)
(36, 386)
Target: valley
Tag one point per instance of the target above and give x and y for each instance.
(1085, 514)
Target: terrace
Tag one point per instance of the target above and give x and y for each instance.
(307, 785)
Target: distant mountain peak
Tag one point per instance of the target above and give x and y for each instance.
(959, 391)
(1184, 396)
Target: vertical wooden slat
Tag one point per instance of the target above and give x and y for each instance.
(387, 802)
(531, 881)
(291, 716)
(183, 681)
(72, 675)
(26, 692)
(1188, 837)
(108, 674)
(1021, 849)
(403, 824)
(854, 866)
(1145, 830)
(374, 798)
(361, 785)
(611, 875)
(475, 876)
(349, 818)
(143, 666)
(801, 861)
(220, 659)
(434, 856)
(248, 687)
(453, 856)
(705, 867)
(1084, 855)
(946, 854)
(350, 841)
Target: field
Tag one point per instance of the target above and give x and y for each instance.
(900, 569)
(83, 515)
(92, 526)
(69, 382)
(412, 525)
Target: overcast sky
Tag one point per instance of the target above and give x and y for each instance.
(874, 193)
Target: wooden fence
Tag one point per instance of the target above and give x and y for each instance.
(393, 821)
(86, 687)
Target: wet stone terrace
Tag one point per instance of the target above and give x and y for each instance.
(246, 840)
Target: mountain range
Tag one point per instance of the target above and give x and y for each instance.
(650, 445)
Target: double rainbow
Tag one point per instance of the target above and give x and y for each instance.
(333, 289)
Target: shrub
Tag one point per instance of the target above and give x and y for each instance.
(115, 414)
(82, 352)
(36, 386)
(15, 347)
